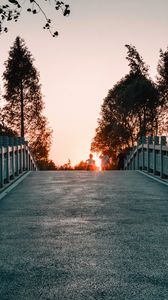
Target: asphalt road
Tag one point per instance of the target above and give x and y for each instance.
(84, 236)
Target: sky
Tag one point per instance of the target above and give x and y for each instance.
(79, 67)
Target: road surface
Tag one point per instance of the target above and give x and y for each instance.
(84, 236)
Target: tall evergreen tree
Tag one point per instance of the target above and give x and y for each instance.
(23, 109)
(23, 96)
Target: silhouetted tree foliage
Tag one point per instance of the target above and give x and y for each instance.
(4, 130)
(67, 166)
(162, 83)
(12, 9)
(82, 165)
(23, 109)
(130, 109)
(23, 96)
(40, 139)
(45, 164)
(135, 61)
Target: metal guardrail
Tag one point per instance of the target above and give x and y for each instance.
(15, 158)
(151, 155)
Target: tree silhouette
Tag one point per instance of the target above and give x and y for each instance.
(23, 109)
(130, 109)
(162, 83)
(47, 165)
(23, 96)
(135, 61)
(12, 9)
(82, 165)
(162, 78)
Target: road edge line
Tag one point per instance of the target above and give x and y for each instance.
(154, 178)
(13, 185)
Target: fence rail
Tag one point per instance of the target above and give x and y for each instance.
(151, 155)
(15, 158)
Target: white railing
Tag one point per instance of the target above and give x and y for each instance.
(15, 158)
(151, 155)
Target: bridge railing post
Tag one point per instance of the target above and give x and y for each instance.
(161, 161)
(26, 155)
(150, 141)
(12, 157)
(156, 142)
(143, 150)
(6, 159)
(20, 159)
(24, 158)
(134, 157)
(163, 140)
(154, 159)
(15, 158)
(162, 143)
(12, 161)
(29, 162)
(1, 166)
(148, 157)
(138, 153)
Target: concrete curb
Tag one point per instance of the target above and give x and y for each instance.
(153, 177)
(13, 185)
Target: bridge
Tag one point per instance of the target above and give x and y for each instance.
(84, 235)
(15, 159)
(151, 155)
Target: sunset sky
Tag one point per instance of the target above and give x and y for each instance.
(79, 67)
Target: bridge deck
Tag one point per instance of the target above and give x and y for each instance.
(82, 235)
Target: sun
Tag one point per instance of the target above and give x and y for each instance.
(97, 161)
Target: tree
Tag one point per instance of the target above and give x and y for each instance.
(12, 9)
(4, 130)
(142, 93)
(67, 166)
(112, 131)
(40, 139)
(23, 96)
(162, 83)
(82, 165)
(48, 165)
(115, 123)
(23, 110)
(130, 109)
(162, 78)
(135, 61)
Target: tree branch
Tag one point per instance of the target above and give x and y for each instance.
(13, 10)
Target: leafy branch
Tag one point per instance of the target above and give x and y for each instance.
(13, 10)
